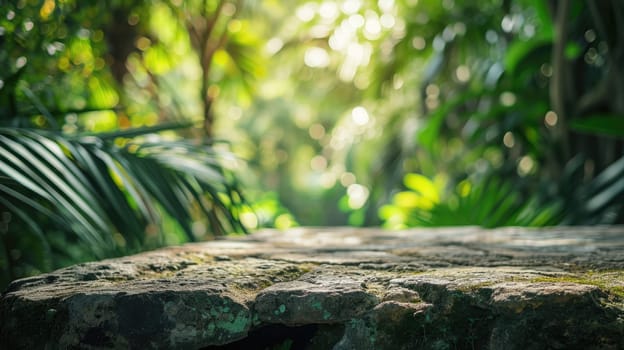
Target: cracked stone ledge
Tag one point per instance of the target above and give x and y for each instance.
(336, 288)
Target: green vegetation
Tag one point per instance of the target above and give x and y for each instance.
(126, 125)
(91, 164)
(605, 280)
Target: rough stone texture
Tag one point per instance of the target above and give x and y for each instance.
(336, 288)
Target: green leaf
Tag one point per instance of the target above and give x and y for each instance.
(133, 132)
(611, 125)
(521, 52)
(605, 189)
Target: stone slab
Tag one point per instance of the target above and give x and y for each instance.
(336, 288)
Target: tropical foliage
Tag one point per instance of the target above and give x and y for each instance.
(490, 203)
(518, 92)
(93, 170)
(108, 200)
(513, 90)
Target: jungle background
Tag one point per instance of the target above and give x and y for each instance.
(129, 125)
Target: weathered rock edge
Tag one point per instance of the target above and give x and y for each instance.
(336, 288)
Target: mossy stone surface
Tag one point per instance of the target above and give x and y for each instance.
(336, 288)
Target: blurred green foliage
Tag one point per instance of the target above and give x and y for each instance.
(98, 156)
(359, 112)
(521, 101)
(492, 202)
(515, 99)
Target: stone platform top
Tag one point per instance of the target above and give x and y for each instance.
(336, 288)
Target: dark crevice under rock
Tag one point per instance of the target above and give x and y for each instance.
(336, 288)
(274, 337)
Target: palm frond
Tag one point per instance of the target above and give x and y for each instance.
(599, 201)
(490, 203)
(92, 191)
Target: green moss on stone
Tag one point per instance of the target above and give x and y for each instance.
(611, 282)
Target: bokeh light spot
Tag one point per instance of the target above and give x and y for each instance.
(360, 115)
